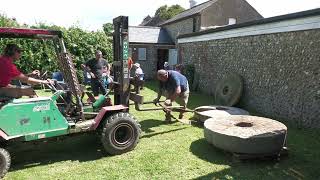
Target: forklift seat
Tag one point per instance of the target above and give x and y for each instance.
(16, 92)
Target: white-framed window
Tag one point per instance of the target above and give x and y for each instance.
(142, 53)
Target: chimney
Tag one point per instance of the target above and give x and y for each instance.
(232, 21)
(192, 3)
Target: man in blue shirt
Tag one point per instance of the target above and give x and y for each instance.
(175, 85)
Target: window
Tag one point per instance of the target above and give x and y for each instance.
(130, 52)
(194, 24)
(142, 53)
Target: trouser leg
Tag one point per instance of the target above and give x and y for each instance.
(95, 87)
(102, 87)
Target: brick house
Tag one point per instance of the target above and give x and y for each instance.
(210, 14)
(152, 46)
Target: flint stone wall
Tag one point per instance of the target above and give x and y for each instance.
(281, 71)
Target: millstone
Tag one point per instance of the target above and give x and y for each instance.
(246, 134)
(229, 90)
(203, 113)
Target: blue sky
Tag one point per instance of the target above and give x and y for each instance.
(92, 14)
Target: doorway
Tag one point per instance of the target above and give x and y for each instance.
(162, 56)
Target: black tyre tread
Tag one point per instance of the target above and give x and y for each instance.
(105, 133)
(6, 164)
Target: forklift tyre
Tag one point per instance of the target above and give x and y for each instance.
(5, 162)
(121, 133)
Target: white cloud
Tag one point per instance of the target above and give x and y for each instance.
(92, 14)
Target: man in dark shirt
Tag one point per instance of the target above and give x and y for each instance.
(176, 86)
(97, 67)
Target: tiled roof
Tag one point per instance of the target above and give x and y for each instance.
(189, 12)
(150, 35)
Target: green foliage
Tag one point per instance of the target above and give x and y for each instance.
(41, 55)
(189, 72)
(108, 29)
(8, 22)
(166, 12)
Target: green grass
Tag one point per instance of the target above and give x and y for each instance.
(165, 151)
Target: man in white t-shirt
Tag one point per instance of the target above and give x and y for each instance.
(138, 71)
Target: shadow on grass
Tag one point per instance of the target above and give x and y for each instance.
(80, 148)
(237, 169)
(302, 163)
(163, 132)
(146, 125)
(152, 85)
(203, 150)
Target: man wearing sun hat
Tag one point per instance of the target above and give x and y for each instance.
(138, 71)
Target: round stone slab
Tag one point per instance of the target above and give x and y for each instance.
(229, 90)
(203, 113)
(246, 134)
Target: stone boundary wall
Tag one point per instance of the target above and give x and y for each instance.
(279, 61)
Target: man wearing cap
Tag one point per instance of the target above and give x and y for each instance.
(97, 67)
(9, 71)
(176, 86)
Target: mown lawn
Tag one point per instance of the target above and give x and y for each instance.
(165, 151)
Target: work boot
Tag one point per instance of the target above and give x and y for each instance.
(180, 115)
(168, 118)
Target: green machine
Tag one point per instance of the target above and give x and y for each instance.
(64, 113)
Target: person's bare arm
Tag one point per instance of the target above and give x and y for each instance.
(87, 68)
(30, 80)
(175, 94)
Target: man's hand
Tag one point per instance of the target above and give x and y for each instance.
(168, 102)
(83, 66)
(155, 101)
(48, 81)
(92, 75)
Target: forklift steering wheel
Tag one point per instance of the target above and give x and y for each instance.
(52, 86)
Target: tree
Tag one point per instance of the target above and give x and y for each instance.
(108, 29)
(166, 12)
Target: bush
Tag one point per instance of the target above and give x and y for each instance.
(41, 55)
(189, 72)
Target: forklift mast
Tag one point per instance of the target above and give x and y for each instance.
(121, 70)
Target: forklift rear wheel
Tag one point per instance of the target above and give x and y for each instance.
(121, 133)
(5, 162)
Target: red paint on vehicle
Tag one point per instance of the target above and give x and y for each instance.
(3, 135)
(16, 32)
(103, 111)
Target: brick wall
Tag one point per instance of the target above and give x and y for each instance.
(281, 71)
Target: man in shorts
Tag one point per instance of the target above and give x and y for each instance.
(176, 87)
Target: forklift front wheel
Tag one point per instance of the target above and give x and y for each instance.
(121, 133)
(5, 162)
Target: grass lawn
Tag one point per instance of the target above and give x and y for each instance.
(165, 151)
